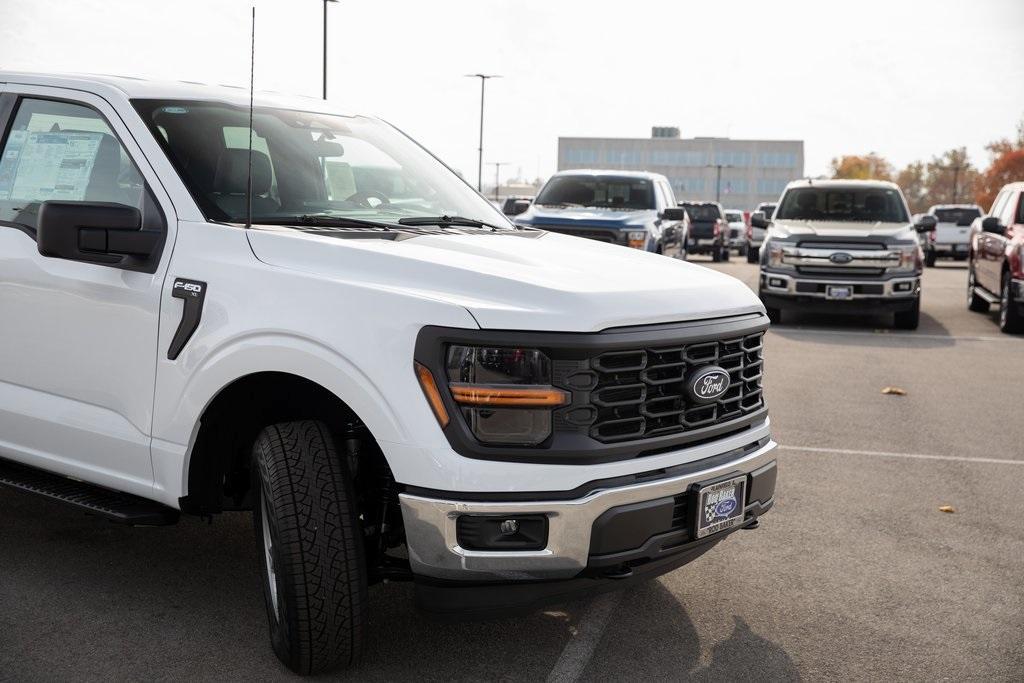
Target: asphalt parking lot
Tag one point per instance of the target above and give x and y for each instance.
(856, 574)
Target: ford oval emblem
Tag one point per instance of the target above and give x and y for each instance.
(840, 257)
(707, 384)
(725, 507)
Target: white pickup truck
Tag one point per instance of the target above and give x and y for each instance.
(301, 313)
(951, 237)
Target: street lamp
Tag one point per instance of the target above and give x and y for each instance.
(497, 175)
(480, 158)
(718, 179)
(325, 45)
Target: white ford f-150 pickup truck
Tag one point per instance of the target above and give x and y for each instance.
(303, 314)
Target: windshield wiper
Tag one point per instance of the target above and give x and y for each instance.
(445, 221)
(327, 220)
(561, 205)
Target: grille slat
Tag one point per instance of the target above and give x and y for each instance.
(640, 392)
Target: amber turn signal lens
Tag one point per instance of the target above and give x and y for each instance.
(433, 395)
(482, 395)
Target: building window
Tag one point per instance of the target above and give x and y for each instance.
(778, 160)
(581, 156)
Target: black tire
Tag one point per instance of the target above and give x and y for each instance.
(742, 251)
(1010, 319)
(725, 253)
(774, 315)
(929, 258)
(908, 320)
(311, 548)
(751, 255)
(716, 255)
(974, 302)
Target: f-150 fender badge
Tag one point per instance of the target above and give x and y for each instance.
(707, 384)
(192, 293)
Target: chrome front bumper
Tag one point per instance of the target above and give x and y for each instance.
(785, 285)
(434, 551)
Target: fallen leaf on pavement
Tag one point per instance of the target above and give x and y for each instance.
(946, 508)
(895, 391)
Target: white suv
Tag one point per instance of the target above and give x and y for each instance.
(335, 332)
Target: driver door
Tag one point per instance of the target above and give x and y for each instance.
(78, 345)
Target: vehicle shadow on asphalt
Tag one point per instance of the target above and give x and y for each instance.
(868, 330)
(186, 602)
(652, 637)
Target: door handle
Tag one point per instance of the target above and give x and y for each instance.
(193, 293)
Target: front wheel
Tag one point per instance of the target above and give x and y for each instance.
(312, 555)
(1010, 319)
(929, 259)
(752, 255)
(725, 253)
(908, 320)
(716, 255)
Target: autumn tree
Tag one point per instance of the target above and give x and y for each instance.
(868, 167)
(951, 178)
(912, 181)
(1007, 166)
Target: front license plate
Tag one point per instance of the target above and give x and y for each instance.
(839, 292)
(720, 506)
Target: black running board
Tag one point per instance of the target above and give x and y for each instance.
(123, 508)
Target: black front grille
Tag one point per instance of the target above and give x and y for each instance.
(611, 236)
(822, 288)
(639, 393)
(841, 271)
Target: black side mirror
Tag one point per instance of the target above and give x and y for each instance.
(515, 207)
(758, 220)
(95, 232)
(926, 223)
(992, 224)
(673, 213)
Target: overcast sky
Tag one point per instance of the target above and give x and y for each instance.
(902, 78)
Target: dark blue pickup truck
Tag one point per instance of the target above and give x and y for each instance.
(630, 208)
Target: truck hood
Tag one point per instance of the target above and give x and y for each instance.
(786, 228)
(583, 217)
(507, 281)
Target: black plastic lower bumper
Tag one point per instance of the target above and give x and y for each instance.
(463, 600)
(865, 306)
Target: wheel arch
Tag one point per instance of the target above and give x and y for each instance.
(217, 474)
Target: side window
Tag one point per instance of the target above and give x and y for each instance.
(670, 197)
(63, 151)
(1020, 209)
(997, 205)
(1009, 213)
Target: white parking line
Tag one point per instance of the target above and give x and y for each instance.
(912, 456)
(885, 334)
(581, 646)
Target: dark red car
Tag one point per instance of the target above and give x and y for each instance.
(996, 266)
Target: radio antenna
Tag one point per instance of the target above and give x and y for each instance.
(252, 79)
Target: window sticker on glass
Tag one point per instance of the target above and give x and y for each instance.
(53, 165)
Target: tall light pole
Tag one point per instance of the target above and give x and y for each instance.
(955, 168)
(497, 175)
(480, 158)
(718, 179)
(325, 45)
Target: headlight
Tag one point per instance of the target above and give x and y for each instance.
(505, 394)
(776, 250)
(637, 239)
(910, 257)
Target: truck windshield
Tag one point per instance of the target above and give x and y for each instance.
(960, 216)
(602, 191)
(305, 163)
(871, 204)
(733, 216)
